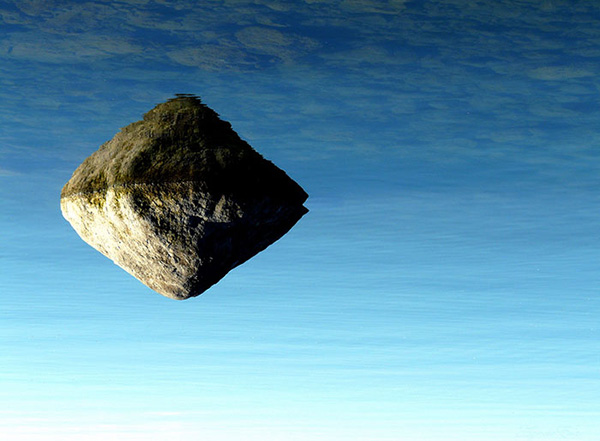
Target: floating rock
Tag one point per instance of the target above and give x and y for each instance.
(178, 199)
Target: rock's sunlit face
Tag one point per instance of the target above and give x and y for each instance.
(178, 199)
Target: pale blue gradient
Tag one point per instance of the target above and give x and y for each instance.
(443, 286)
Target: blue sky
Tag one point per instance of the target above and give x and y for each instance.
(443, 286)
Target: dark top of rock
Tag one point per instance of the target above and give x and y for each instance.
(181, 140)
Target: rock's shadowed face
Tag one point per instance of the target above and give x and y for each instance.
(178, 199)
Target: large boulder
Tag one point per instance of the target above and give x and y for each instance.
(178, 199)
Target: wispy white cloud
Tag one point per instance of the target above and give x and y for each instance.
(271, 41)
(214, 57)
(62, 49)
(4, 173)
(559, 73)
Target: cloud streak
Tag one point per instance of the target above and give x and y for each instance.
(4, 173)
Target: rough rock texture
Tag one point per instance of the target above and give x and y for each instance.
(178, 199)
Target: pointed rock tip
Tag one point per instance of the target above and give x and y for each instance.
(181, 103)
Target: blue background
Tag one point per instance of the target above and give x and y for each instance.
(444, 285)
